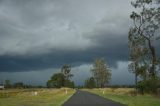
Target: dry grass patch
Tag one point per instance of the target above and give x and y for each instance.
(34, 97)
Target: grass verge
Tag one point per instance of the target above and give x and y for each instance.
(27, 97)
(125, 96)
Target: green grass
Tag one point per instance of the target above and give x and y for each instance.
(26, 97)
(125, 96)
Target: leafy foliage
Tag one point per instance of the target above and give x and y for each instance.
(19, 85)
(59, 80)
(148, 86)
(144, 60)
(8, 84)
(90, 83)
(101, 72)
(66, 69)
(56, 81)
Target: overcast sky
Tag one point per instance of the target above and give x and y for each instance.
(37, 37)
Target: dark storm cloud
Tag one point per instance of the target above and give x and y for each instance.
(47, 34)
(57, 59)
(38, 36)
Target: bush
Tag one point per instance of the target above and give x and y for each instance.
(69, 84)
(90, 83)
(148, 86)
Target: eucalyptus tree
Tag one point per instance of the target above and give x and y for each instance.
(101, 72)
(57, 80)
(135, 51)
(142, 37)
(146, 23)
(66, 70)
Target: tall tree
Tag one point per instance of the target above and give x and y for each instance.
(101, 72)
(8, 84)
(56, 81)
(138, 53)
(61, 79)
(146, 22)
(66, 69)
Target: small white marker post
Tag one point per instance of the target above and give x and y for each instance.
(103, 92)
(66, 91)
(35, 93)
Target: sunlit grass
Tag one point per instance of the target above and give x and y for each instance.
(126, 96)
(27, 97)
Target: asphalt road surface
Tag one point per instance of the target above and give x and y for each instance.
(82, 98)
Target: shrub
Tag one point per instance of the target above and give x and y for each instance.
(148, 86)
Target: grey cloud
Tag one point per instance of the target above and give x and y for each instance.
(31, 27)
(39, 35)
(58, 58)
(121, 73)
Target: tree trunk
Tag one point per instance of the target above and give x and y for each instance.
(136, 75)
(153, 53)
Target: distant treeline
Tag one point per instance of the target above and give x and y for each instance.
(110, 86)
(8, 84)
(121, 86)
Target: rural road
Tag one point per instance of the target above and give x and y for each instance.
(82, 98)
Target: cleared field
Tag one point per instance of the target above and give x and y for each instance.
(34, 97)
(126, 96)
